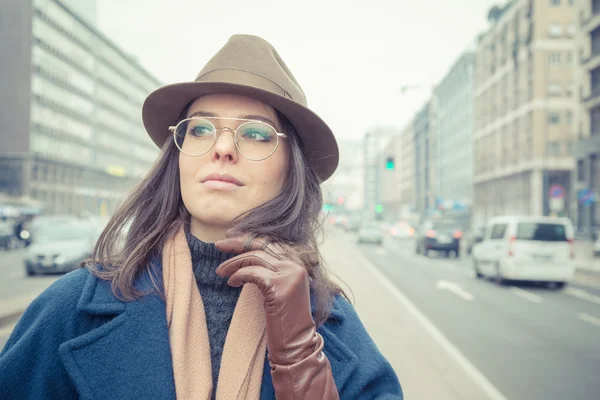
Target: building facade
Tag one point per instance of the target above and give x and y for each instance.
(374, 165)
(586, 174)
(454, 116)
(523, 116)
(424, 190)
(70, 105)
(407, 166)
(344, 190)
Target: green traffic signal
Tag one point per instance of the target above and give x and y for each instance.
(389, 165)
(378, 208)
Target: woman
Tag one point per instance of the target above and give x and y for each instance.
(207, 282)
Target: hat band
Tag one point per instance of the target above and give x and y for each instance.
(241, 77)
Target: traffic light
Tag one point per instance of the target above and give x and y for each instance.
(327, 207)
(340, 200)
(390, 164)
(378, 208)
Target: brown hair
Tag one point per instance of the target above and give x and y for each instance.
(155, 210)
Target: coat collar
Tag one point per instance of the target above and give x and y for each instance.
(112, 359)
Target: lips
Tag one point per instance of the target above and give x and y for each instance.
(222, 178)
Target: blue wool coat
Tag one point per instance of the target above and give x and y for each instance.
(76, 340)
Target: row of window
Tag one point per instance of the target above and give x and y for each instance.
(60, 149)
(45, 88)
(50, 119)
(73, 52)
(78, 32)
(62, 71)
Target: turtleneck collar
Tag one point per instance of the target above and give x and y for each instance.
(205, 260)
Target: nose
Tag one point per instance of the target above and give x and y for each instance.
(224, 147)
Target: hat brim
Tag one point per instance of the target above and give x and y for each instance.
(163, 108)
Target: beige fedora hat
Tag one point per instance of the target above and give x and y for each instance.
(249, 66)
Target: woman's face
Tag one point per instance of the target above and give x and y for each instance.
(213, 204)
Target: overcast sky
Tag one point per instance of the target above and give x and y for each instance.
(351, 57)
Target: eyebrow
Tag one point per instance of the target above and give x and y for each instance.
(242, 116)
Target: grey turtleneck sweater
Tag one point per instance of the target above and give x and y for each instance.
(218, 297)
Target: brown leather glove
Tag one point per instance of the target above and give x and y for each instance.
(299, 368)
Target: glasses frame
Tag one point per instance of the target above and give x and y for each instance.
(234, 131)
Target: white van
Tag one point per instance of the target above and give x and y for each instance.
(526, 249)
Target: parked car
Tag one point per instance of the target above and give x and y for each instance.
(439, 235)
(370, 232)
(536, 249)
(60, 248)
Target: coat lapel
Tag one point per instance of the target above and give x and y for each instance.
(127, 353)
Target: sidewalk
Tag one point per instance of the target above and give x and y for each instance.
(584, 256)
(428, 366)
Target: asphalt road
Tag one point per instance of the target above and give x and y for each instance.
(529, 341)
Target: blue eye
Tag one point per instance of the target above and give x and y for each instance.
(200, 130)
(257, 133)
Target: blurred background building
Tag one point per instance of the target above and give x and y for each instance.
(344, 190)
(586, 175)
(375, 162)
(454, 131)
(424, 190)
(524, 102)
(70, 104)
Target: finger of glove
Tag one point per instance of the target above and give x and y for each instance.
(255, 274)
(258, 257)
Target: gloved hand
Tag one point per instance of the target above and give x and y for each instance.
(299, 368)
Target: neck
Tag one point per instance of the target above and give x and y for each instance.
(205, 232)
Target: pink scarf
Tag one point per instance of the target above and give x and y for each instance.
(242, 364)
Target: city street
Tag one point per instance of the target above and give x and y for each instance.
(530, 342)
(459, 338)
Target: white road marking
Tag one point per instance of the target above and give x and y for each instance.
(527, 295)
(478, 377)
(582, 294)
(588, 318)
(454, 288)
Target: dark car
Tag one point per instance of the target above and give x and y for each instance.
(442, 236)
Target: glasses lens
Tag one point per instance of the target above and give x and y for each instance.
(195, 136)
(256, 140)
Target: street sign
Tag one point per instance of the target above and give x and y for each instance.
(586, 197)
(557, 192)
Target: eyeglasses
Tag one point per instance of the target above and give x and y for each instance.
(254, 140)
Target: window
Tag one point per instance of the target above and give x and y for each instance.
(555, 3)
(553, 118)
(554, 89)
(554, 58)
(569, 57)
(569, 117)
(580, 171)
(553, 149)
(555, 30)
(541, 232)
(498, 231)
